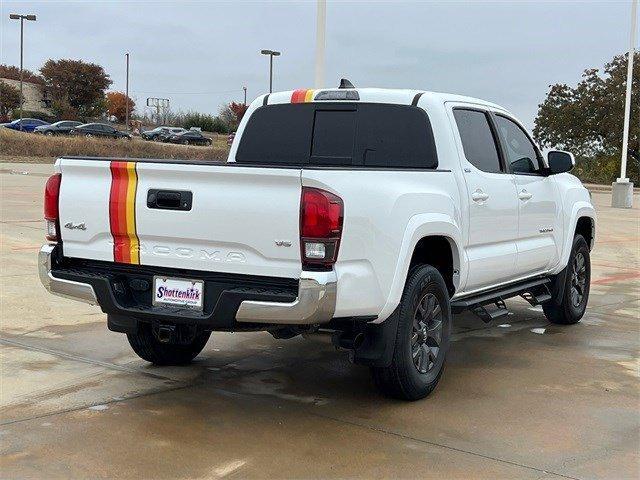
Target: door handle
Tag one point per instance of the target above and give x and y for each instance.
(479, 196)
(169, 199)
(524, 195)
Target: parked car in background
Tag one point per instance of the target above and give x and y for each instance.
(62, 127)
(160, 133)
(189, 137)
(99, 130)
(25, 124)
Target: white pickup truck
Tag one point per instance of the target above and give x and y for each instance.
(369, 214)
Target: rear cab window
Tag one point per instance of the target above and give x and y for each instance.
(339, 134)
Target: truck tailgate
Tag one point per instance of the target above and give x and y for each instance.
(241, 220)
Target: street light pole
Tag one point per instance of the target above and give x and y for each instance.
(22, 18)
(622, 189)
(245, 95)
(270, 73)
(627, 104)
(321, 22)
(126, 100)
(271, 53)
(21, 65)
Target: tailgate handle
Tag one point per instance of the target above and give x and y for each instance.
(169, 199)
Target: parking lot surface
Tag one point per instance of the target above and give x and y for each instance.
(520, 398)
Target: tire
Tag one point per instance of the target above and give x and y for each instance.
(149, 348)
(576, 287)
(411, 376)
(185, 142)
(48, 134)
(88, 135)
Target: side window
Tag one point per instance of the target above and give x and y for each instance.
(520, 153)
(477, 140)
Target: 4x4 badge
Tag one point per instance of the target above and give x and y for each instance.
(75, 226)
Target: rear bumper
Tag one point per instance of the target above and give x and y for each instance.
(316, 303)
(58, 286)
(230, 300)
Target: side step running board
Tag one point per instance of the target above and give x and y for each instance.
(490, 305)
(538, 296)
(487, 313)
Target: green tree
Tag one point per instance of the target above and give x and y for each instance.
(587, 120)
(9, 99)
(206, 122)
(76, 86)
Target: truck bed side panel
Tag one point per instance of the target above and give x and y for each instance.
(379, 206)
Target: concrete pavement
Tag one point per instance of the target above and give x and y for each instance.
(519, 399)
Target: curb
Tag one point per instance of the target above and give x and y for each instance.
(594, 187)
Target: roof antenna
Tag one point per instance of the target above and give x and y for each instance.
(344, 83)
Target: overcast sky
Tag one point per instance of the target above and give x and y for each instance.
(199, 54)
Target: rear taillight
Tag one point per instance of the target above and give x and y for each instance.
(321, 215)
(51, 194)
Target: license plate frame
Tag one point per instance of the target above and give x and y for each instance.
(182, 285)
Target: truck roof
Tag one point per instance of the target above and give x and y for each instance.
(377, 95)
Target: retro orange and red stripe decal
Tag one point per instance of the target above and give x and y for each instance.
(302, 96)
(122, 212)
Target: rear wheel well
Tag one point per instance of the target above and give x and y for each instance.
(436, 251)
(584, 227)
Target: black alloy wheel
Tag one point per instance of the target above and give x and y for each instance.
(427, 333)
(578, 279)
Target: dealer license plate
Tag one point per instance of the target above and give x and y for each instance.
(178, 291)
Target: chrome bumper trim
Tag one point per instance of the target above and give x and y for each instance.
(58, 286)
(316, 303)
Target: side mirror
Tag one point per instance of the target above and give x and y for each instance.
(560, 161)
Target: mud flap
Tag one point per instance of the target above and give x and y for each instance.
(376, 350)
(558, 287)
